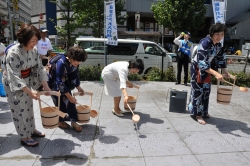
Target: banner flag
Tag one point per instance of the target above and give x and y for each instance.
(111, 27)
(219, 11)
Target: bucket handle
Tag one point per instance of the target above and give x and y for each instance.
(54, 93)
(85, 93)
(137, 87)
(231, 76)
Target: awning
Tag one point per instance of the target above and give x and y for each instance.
(138, 33)
(238, 18)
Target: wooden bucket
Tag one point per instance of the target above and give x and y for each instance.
(132, 100)
(83, 111)
(131, 103)
(50, 115)
(224, 94)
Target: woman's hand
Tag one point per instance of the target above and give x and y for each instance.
(126, 99)
(80, 90)
(225, 73)
(33, 94)
(129, 84)
(72, 99)
(219, 77)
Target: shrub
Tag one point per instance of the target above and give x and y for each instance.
(155, 74)
(90, 73)
(134, 77)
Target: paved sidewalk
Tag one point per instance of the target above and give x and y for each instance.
(164, 138)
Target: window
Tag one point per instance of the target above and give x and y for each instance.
(152, 49)
(123, 49)
(93, 47)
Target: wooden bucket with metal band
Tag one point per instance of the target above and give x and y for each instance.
(132, 101)
(83, 111)
(50, 115)
(224, 94)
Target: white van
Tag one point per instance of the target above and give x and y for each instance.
(127, 49)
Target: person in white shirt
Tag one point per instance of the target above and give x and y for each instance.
(183, 55)
(44, 46)
(116, 81)
(2, 49)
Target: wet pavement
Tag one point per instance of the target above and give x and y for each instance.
(163, 137)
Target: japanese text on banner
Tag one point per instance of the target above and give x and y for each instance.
(219, 11)
(111, 27)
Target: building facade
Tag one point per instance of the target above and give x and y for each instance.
(141, 23)
(20, 12)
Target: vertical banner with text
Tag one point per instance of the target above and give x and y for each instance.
(111, 27)
(219, 11)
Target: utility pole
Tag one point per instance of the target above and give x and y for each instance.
(68, 34)
(10, 21)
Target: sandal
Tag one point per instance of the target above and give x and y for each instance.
(63, 125)
(30, 143)
(38, 134)
(207, 116)
(76, 126)
(200, 120)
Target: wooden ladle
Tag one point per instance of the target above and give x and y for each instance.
(243, 89)
(135, 117)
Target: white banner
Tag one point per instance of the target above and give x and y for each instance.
(219, 11)
(111, 27)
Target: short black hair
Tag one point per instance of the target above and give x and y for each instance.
(26, 33)
(217, 27)
(136, 63)
(77, 54)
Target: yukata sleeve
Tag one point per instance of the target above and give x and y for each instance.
(220, 58)
(77, 77)
(13, 70)
(60, 77)
(203, 56)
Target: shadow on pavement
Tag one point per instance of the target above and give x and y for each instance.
(91, 132)
(226, 126)
(51, 151)
(144, 118)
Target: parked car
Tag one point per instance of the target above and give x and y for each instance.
(56, 50)
(173, 55)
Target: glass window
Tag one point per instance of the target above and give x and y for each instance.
(152, 49)
(93, 47)
(123, 49)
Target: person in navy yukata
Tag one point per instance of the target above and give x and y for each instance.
(209, 57)
(63, 77)
(184, 53)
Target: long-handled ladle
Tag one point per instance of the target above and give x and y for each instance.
(243, 89)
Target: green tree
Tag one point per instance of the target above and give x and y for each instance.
(92, 14)
(180, 15)
(85, 14)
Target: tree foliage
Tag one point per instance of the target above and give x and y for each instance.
(85, 14)
(92, 14)
(180, 15)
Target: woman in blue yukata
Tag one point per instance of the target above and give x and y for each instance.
(209, 50)
(63, 77)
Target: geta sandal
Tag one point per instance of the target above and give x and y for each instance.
(76, 126)
(207, 116)
(63, 125)
(200, 120)
(38, 134)
(30, 143)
